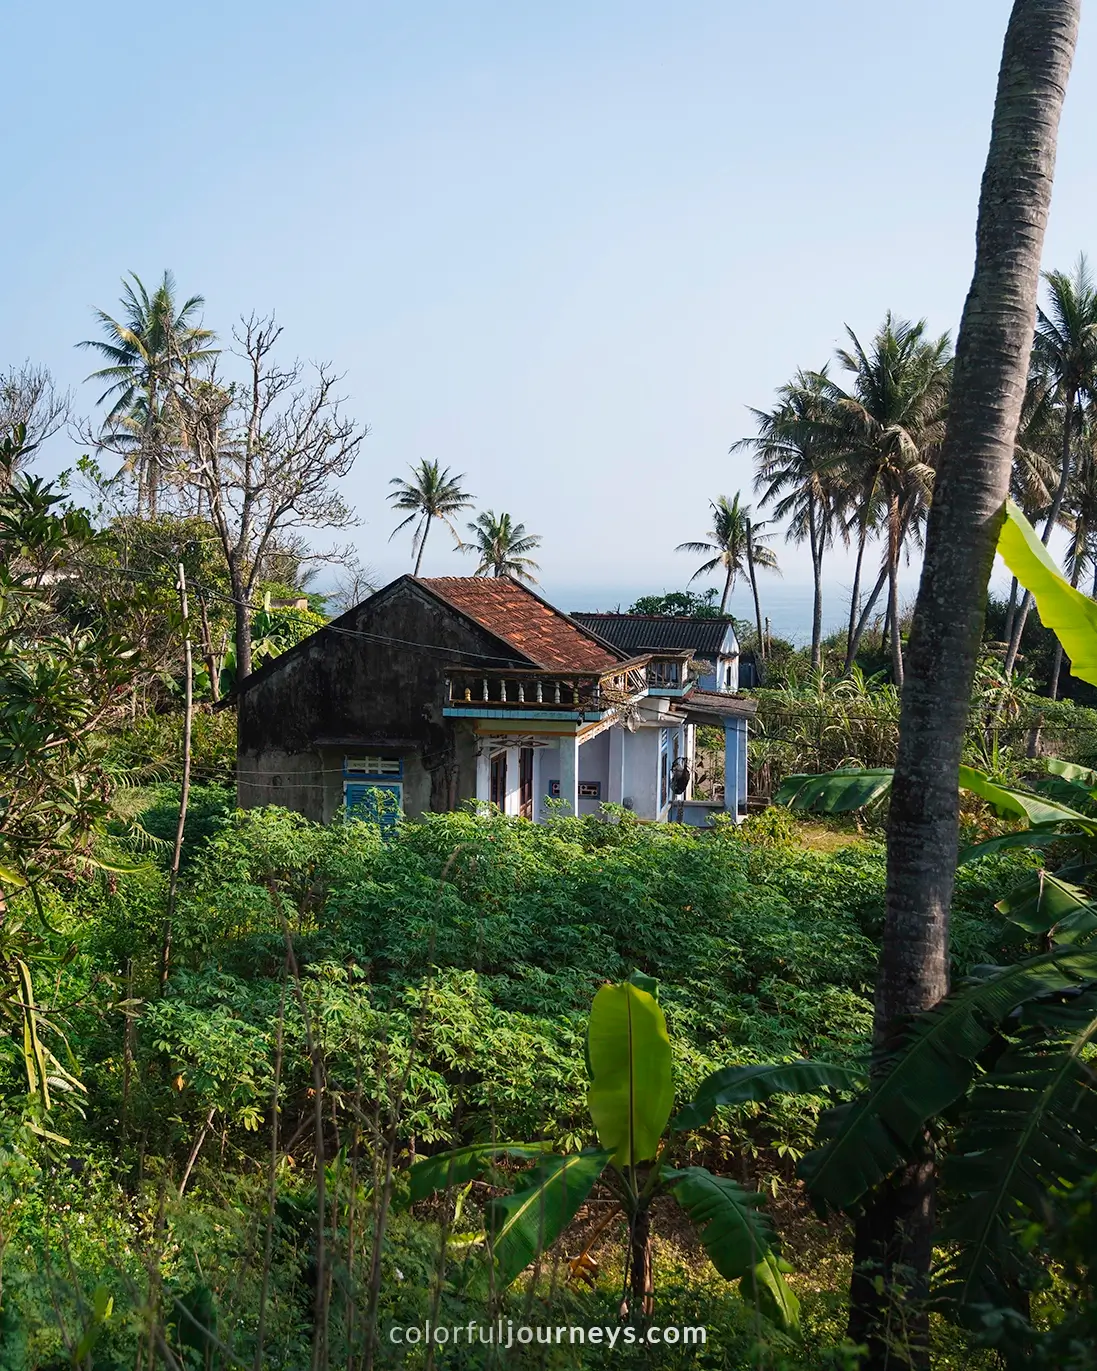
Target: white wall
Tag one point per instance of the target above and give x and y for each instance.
(642, 772)
(594, 766)
(549, 771)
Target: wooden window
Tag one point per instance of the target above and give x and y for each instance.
(525, 782)
(499, 779)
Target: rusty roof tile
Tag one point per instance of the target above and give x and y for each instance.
(515, 614)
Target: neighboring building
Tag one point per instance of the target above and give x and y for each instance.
(712, 641)
(440, 690)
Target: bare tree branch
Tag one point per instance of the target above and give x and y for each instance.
(266, 453)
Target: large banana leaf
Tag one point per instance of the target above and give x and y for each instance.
(1070, 615)
(632, 1089)
(1045, 902)
(834, 792)
(463, 1164)
(1039, 835)
(737, 1236)
(1022, 804)
(866, 1140)
(1082, 776)
(756, 1084)
(838, 792)
(523, 1224)
(1030, 1124)
(766, 1288)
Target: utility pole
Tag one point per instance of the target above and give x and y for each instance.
(184, 793)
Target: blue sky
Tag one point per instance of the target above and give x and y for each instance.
(560, 247)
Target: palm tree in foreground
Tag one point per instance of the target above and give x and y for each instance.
(432, 493)
(734, 542)
(501, 546)
(894, 1230)
(146, 350)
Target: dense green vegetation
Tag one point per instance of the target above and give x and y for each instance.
(446, 977)
(279, 1095)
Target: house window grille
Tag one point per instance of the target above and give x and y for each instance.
(381, 767)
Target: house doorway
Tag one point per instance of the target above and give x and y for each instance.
(525, 782)
(499, 779)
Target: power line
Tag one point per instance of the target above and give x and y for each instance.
(332, 627)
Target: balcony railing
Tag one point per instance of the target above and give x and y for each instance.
(669, 673)
(549, 691)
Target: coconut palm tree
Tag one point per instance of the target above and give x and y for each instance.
(501, 546)
(797, 477)
(1064, 372)
(893, 1236)
(731, 542)
(886, 429)
(146, 350)
(432, 493)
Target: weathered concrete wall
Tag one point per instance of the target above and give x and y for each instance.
(293, 780)
(337, 693)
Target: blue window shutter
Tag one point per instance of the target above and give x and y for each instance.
(374, 802)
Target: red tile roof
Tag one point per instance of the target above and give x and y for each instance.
(547, 637)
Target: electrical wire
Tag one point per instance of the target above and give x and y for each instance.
(331, 627)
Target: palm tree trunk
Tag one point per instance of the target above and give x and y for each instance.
(816, 539)
(1052, 520)
(854, 598)
(895, 1231)
(729, 586)
(1011, 611)
(754, 592)
(1057, 660)
(863, 621)
(893, 593)
(422, 545)
(151, 472)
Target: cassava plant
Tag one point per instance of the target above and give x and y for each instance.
(630, 1099)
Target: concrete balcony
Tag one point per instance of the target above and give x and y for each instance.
(508, 694)
(671, 675)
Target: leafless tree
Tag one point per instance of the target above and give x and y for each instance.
(265, 452)
(354, 583)
(28, 396)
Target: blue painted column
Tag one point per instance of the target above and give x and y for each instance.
(735, 767)
(743, 776)
(731, 767)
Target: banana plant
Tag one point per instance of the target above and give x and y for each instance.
(1006, 1059)
(630, 1099)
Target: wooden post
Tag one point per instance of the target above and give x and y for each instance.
(184, 793)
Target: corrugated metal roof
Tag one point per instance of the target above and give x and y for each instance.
(546, 636)
(702, 704)
(661, 632)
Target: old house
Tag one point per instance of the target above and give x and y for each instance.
(437, 691)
